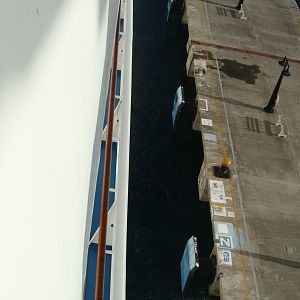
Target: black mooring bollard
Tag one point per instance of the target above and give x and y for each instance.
(223, 171)
(272, 102)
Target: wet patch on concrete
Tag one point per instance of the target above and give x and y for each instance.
(234, 69)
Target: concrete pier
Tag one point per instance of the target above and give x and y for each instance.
(256, 213)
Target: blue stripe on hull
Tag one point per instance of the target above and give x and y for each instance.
(98, 194)
(91, 274)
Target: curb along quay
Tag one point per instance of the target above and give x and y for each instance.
(249, 121)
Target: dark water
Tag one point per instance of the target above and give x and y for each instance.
(164, 209)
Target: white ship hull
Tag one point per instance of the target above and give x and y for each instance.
(55, 63)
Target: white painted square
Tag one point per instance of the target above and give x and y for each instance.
(219, 210)
(225, 257)
(210, 137)
(205, 104)
(217, 196)
(216, 185)
(206, 122)
(222, 228)
(230, 214)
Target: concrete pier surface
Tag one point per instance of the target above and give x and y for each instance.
(255, 213)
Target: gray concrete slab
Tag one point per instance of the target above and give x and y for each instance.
(256, 218)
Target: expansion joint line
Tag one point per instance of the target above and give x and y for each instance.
(245, 51)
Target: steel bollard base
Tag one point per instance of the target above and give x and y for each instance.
(221, 172)
(269, 109)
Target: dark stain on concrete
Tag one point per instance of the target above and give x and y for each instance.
(204, 54)
(234, 69)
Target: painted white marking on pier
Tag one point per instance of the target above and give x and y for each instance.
(225, 241)
(230, 214)
(242, 12)
(279, 122)
(225, 257)
(217, 196)
(206, 105)
(282, 133)
(222, 228)
(216, 185)
(210, 137)
(219, 210)
(206, 122)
